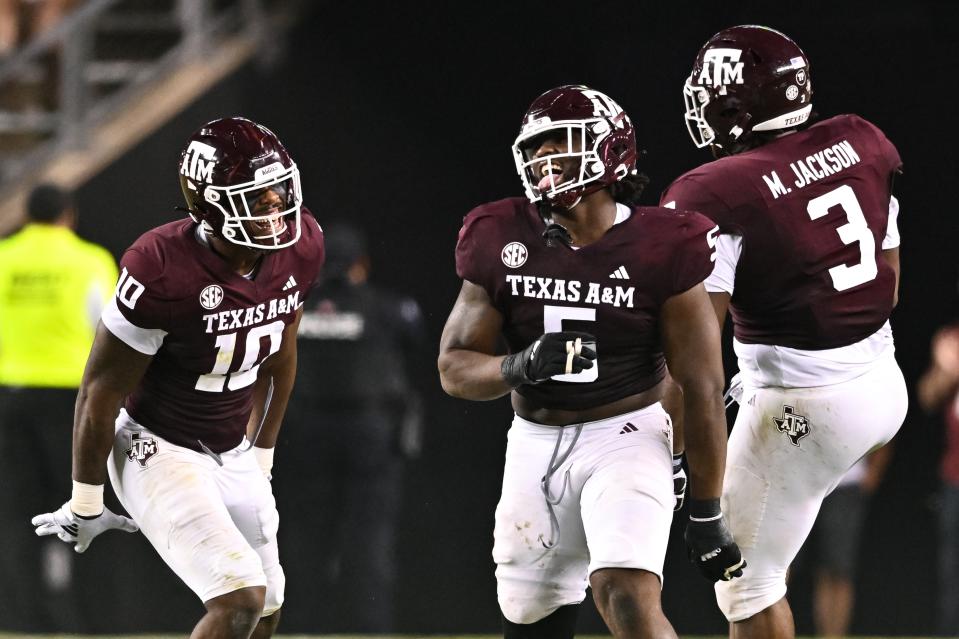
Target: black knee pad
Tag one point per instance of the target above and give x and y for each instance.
(561, 624)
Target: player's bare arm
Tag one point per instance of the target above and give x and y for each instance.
(468, 367)
(692, 349)
(720, 302)
(280, 371)
(891, 256)
(691, 345)
(112, 372)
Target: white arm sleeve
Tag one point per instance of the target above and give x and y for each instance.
(144, 340)
(892, 228)
(723, 277)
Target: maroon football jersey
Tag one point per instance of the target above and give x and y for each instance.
(812, 209)
(613, 288)
(219, 328)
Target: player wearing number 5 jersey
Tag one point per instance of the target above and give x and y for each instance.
(593, 296)
(808, 267)
(198, 347)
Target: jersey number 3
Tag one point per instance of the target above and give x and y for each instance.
(854, 230)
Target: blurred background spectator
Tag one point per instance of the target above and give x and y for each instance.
(833, 548)
(354, 420)
(53, 285)
(21, 20)
(939, 393)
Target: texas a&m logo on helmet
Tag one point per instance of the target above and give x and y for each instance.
(721, 67)
(240, 183)
(746, 79)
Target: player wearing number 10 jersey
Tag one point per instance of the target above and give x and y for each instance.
(198, 346)
(808, 266)
(593, 295)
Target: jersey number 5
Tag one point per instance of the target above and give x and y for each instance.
(553, 317)
(854, 230)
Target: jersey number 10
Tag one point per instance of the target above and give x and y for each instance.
(220, 377)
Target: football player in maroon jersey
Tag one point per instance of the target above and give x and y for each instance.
(590, 292)
(808, 267)
(197, 352)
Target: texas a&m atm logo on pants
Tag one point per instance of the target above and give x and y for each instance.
(793, 425)
(142, 447)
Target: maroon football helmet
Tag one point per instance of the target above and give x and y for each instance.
(746, 79)
(241, 185)
(596, 131)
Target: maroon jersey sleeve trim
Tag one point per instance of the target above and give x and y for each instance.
(469, 249)
(690, 194)
(141, 290)
(695, 253)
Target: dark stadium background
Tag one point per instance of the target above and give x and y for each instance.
(401, 116)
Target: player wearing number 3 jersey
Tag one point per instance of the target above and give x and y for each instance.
(198, 347)
(808, 267)
(593, 296)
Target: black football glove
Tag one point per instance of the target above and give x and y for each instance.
(711, 548)
(679, 481)
(552, 354)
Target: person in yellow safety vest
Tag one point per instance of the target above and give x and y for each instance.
(53, 285)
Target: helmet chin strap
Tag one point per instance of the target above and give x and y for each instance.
(555, 233)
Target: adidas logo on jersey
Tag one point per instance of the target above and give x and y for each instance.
(619, 274)
(628, 428)
(290, 283)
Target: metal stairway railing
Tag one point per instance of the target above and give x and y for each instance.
(79, 75)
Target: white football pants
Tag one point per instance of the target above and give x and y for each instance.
(215, 526)
(611, 488)
(788, 450)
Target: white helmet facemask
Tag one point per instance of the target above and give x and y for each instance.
(583, 138)
(244, 225)
(696, 98)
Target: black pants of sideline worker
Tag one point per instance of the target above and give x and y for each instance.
(337, 481)
(38, 590)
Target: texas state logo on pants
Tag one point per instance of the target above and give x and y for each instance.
(213, 521)
(787, 451)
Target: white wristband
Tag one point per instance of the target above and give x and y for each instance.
(87, 499)
(264, 457)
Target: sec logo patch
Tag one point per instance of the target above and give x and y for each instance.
(514, 254)
(211, 296)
